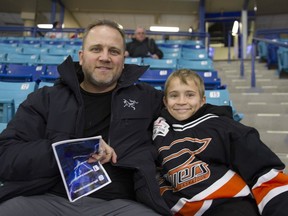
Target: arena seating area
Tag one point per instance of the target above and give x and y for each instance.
(27, 64)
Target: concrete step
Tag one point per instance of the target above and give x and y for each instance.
(257, 96)
(276, 141)
(263, 107)
(266, 121)
(284, 158)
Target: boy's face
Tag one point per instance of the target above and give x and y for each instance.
(182, 100)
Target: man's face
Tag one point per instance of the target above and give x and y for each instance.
(140, 34)
(102, 59)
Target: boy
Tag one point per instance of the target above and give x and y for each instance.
(211, 164)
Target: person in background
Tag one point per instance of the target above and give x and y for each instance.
(95, 96)
(142, 46)
(211, 164)
(56, 31)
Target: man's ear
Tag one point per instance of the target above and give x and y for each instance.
(80, 56)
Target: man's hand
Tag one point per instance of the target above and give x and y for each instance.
(105, 154)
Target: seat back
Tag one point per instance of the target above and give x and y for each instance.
(156, 77)
(51, 59)
(131, 60)
(7, 110)
(51, 74)
(45, 83)
(160, 63)
(22, 73)
(221, 97)
(2, 126)
(194, 54)
(16, 58)
(196, 65)
(17, 91)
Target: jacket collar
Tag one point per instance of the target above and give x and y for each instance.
(205, 109)
(71, 73)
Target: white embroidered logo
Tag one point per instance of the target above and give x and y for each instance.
(130, 103)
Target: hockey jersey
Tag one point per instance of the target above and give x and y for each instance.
(209, 158)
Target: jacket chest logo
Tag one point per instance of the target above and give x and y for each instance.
(130, 103)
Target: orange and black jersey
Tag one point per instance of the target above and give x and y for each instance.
(209, 159)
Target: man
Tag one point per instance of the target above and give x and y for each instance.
(142, 46)
(98, 96)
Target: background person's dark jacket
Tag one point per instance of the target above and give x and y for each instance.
(57, 113)
(143, 49)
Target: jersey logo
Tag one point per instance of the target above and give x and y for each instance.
(160, 128)
(130, 103)
(189, 171)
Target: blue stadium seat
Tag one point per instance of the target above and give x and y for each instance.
(22, 73)
(175, 42)
(194, 54)
(167, 49)
(2, 126)
(50, 75)
(262, 50)
(156, 78)
(30, 43)
(7, 110)
(160, 63)
(17, 91)
(4, 48)
(211, 79)
(75, 57)
(3, 57)
(193, 42)
(192, 46)
(60, 52)
(159, 41)
(282, 60)
(131, 60)
(16, 58)
(34, 50)
(51, 59)
(171, 46)
(73, 42)
(221, 97)
(171, 55)
(52, 43)
(45, 83)
(272, 60)
(196, 65)
(2, 67)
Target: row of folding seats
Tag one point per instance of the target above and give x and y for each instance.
(12, 94)
(198, 65)
(193, 52)
(34, 59)
(276, 57)
(38, 41)
(159, 70)
(204, 68)
(28, 73)
(51, 50)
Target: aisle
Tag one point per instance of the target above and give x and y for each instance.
(265, 107)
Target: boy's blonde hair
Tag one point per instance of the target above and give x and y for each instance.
(184, 75)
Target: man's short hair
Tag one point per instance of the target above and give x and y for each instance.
(108, 23)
